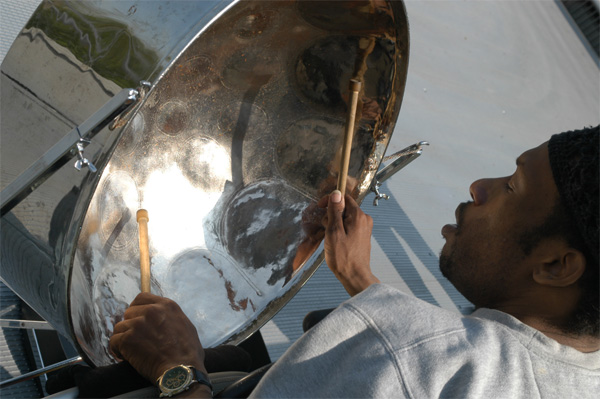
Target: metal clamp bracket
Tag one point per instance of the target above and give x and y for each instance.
(81, 160)
(402, 158)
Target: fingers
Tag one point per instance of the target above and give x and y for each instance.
(120, 330)
(145, 307)
(114, 344)
(121, 327)
(145, 298)
(146, 303)
(352, 210)
(351, 205)
(339, 213)
(335, 212)
(323, 202)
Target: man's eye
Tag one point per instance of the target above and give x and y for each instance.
(508, 188)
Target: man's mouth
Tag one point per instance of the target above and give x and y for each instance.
(449, 229)
(455, 228)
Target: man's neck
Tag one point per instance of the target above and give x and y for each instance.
(547, 310)
(582, 343)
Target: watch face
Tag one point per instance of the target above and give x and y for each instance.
(176, 377)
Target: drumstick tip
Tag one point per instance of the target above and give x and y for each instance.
(141, 214)
(355, 85)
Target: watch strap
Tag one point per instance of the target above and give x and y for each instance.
(201, 378)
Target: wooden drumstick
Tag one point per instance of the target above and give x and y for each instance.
(355, 87)
(142, 219)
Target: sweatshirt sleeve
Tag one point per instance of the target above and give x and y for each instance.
(342, 356)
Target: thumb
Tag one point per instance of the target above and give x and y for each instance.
(335, 210)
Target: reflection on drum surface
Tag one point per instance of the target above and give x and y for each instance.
(239, 135)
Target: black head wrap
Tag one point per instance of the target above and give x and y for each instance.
(574, 162)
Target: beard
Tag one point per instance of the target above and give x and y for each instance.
(446, 265)
(457, 269)
(451, 263)
(471, 260)
(448, 253)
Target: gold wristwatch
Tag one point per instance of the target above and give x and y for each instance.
(179, 378)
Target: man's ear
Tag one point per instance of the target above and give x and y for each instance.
(560, 266)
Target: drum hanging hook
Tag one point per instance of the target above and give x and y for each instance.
(122, 119)
(402, 158)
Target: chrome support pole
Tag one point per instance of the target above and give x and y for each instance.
(37, 373)
(28, 324)
(69, 146)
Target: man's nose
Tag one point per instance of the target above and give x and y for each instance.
(479, 191)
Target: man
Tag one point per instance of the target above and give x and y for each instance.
(524, 251)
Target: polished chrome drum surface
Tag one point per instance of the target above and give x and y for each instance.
(239, 136)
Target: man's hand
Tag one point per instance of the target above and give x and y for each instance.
(156, 335)
(348, 242)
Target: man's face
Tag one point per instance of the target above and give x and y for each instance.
(482, 256)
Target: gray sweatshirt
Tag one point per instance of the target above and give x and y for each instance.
(383, 343)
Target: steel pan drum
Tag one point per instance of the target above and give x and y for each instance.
(238, 136)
